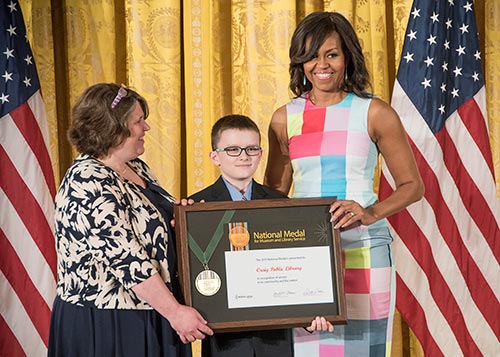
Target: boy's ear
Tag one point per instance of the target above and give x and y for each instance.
(214, 158)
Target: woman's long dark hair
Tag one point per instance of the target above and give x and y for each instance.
(316, 27)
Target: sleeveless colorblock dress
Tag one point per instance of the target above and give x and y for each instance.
(332, 155)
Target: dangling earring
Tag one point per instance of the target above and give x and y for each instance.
(305, 80)
(345, 76)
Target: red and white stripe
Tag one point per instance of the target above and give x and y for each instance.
(447, 246)
(27, 248)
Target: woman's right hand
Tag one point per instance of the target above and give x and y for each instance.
(189, 324)
(186, 321)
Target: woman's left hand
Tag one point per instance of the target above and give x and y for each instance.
(320, 324)
(182, 202)
(346, 212)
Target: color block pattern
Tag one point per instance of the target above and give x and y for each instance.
(370, 297)
(333, 155)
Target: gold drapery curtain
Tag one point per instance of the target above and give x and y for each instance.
(197, 60)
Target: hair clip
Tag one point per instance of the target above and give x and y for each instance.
(122, 92)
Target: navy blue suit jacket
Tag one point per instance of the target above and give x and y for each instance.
(219, 192)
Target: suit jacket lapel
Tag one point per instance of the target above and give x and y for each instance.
(257, 191)
(219, 191)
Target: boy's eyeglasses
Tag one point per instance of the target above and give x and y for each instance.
(236, 151)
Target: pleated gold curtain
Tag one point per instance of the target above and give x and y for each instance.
(196, 60)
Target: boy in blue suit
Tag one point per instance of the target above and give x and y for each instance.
(236, 150)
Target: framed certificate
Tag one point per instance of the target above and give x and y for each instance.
(260, 264)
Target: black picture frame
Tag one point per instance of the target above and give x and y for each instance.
(307, 217)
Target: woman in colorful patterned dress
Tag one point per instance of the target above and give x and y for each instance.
(326, 141)
(117, 276)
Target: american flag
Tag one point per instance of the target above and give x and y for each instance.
(447, 246)
(27, 189)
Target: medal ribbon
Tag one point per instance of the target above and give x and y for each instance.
(204, 256)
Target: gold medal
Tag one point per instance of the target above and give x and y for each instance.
(207, 282)
(238, 234)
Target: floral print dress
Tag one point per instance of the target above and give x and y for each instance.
(111, 234)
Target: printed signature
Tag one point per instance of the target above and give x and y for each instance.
(282, 294)
(313, 292)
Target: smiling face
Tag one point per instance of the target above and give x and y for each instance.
(326, 70)
(237, 170)
(133, 145)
